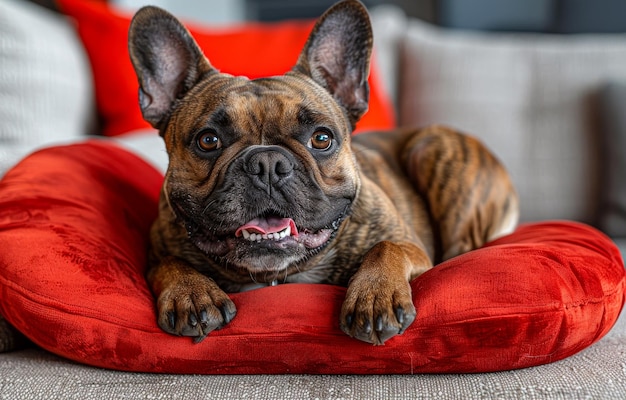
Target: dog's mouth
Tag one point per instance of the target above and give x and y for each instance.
(266, 233)
(282, 230)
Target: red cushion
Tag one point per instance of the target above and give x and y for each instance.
(73, 232)
(254, 50)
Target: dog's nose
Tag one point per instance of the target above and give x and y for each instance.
(268, 166)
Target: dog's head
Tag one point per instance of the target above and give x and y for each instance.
(261, 171)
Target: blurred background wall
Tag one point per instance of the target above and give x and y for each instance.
(552, 16)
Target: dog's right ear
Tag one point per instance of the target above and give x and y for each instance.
(167, 61)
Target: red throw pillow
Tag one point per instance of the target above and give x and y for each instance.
(254, 50)
(74, 225)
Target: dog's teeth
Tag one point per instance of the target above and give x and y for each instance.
(257, 237)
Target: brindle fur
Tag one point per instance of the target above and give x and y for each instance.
(396, 202)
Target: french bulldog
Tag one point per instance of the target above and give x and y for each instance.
(266, 184)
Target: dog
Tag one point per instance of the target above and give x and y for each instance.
(266, 184)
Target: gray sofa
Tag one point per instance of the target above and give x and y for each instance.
(549, 106)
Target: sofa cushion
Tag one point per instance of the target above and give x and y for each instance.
(45, 82)
(612, 100)
(252, 50)
(73, 231)
(528, 96)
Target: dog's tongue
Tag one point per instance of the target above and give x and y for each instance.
(268, 225)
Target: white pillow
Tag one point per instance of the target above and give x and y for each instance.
(46, 89)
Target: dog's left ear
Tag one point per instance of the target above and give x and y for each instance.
(337, 56)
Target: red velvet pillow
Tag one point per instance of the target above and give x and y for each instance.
(253, 50)
(73, 232)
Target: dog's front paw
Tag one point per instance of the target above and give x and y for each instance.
(194, 307)
(376, 309)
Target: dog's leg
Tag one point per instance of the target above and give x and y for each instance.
(378, 302)
(188, 303)
(469, 193)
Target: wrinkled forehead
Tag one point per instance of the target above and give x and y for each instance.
(281, 100)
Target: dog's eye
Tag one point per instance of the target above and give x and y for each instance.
(320, 140)
(208, 141)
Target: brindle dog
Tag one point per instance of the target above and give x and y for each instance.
(265, 183)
